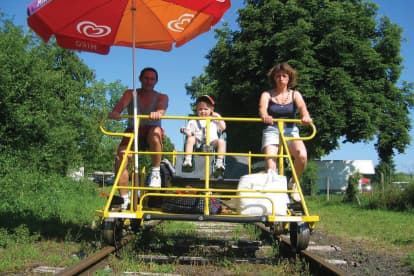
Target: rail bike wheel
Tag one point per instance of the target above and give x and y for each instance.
(278, 229)
(111, 231)
(299, 235)
(135, 225)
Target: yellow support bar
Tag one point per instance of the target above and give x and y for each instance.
(206, 192)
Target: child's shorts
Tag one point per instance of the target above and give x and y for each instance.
(270, 134)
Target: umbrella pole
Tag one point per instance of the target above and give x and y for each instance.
(135, 100)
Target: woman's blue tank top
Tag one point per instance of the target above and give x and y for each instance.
(284, 111)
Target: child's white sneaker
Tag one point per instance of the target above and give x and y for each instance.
(219, 167)
(187, 164)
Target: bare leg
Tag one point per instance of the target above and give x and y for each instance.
(221, 147)
(298, 150)
(270, 162)
(154, 140)
(189, 144)
(219, 165)
(124, 178)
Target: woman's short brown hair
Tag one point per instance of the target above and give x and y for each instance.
(283, 67)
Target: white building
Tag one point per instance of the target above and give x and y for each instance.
(334, 174)
(77, 174)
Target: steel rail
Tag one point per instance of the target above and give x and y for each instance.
(88, 263)
(85, 266)
(317, 265)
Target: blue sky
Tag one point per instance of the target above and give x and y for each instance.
(177, 67)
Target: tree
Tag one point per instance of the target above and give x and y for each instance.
(50, 105)
(98, 150)
(351, 192)
(348, 70)
(309, 179)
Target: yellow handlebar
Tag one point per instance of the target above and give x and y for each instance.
(227, 119)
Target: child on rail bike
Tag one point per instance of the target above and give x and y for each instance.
(195, 132)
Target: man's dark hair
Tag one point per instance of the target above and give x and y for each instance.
(148, 69)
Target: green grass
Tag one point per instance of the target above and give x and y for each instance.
(49, 214)
(389, 230)
(18, 256)
(410, 260)
(45, 214)
(350, 220)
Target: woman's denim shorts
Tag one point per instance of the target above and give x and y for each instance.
(270, 134)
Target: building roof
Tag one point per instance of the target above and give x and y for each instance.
(361, 166)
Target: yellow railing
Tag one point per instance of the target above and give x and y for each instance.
(137, 185)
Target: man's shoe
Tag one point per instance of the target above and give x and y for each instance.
(125, 205)
(155, 180)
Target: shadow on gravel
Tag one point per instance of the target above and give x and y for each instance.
(214, 248)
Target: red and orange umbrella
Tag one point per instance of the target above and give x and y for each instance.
(96, 25)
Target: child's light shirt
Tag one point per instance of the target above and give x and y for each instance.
(198, 129)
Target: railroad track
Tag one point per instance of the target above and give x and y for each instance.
(96, 261)
(317, 264)
(241, 250)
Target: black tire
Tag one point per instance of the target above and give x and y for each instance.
(135, 225)
(166, 175)
(111, 231)
(299, 235)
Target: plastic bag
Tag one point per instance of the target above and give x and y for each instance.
(263, 206)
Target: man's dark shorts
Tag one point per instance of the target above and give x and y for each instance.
(142, 136)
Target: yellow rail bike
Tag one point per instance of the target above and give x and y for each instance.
(240, 195)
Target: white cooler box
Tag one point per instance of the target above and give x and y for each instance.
(262, 206)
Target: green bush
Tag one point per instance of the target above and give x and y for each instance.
(309, 179)
(393, 198)
(410, 261)
(19, 235)
(409, 196)
(51, 205)
(352, 188)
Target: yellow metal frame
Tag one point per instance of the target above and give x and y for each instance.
(137, 184)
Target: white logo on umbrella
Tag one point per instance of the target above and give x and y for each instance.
(41, 2)
(179, 24)
(90, 29)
